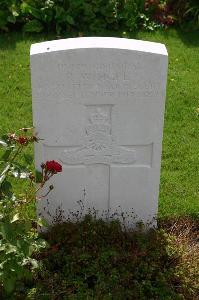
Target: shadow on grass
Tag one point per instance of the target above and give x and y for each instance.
(9, 40)
(190, 39)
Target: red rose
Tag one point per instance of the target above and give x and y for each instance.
(53, 166)
(22, 140)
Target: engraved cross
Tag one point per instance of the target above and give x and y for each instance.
(100, 146)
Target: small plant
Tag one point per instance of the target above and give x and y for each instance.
(18, 229)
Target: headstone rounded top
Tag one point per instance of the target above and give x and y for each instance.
(98, 42)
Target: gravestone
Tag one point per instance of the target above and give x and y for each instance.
(98, 105)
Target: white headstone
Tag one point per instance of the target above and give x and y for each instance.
(98, 105)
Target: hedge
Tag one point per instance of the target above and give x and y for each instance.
(95, 15)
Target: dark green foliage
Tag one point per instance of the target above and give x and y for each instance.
(129, 12)
(191, 15)
(93, 259)
(63, 16)
(9, 12)
(186, 12)
(59, 16)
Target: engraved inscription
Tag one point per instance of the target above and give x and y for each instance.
(78, 81)
(99, 144)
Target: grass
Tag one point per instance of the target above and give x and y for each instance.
(179, 190)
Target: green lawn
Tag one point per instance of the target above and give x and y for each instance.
(179, 192)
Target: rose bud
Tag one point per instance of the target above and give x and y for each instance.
(43, 165)
(12, 136)
(34, 139)
(22, 140)
(31, 176)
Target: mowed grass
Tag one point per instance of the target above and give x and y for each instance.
(179, 189)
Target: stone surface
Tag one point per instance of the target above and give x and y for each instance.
(98, 105)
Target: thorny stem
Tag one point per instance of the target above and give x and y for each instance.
(43, 183)
(46, 194)
(17, 153)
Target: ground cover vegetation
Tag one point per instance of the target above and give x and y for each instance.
(93, 259)
(96, 15)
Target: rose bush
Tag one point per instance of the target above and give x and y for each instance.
(19, 238)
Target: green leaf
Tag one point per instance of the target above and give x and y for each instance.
(60, 12)
(28, 9)
(10, 249)
(15, 218)
(34, 263)
(36, 13)
(15, 13)
(24, 8)
(9, 284)
(3, 174)
(33, 26)
(70, 20)
(6, 154)
(2, 248)
(41, 243)
(41, 222)
(5, 230)
(38, 176)
(28, 158)
(24, 247)
(3, 144)
(6, 188)
(11, 19)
